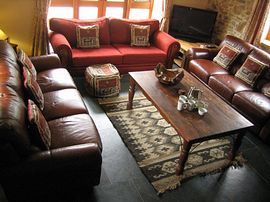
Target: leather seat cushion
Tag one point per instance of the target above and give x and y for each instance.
(63, 103)
(91, 56)
(55, 79)
(226, 85)
(203, 69)
(255, 105)
(137, 55)
(73, 130)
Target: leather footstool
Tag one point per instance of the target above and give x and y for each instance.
(102, 80)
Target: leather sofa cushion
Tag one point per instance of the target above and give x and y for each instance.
(102, 55)
(254, 105)
(68, 28)
(63, 103)
(120, 29)
(227, 85)
(73, 130)
(263, 57)
(55, 79)
(144, 55)
(203, 69)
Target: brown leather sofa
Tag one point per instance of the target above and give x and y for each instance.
(250, 101)
(74, 157)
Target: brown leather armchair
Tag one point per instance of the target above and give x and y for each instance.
(74, 157)
(250, 101)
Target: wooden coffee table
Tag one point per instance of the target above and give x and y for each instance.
(221, 119)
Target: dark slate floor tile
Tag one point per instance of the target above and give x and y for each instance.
(117, 192)
(244, 185)
(258, 162)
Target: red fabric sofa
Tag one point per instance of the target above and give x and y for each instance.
(114, 36)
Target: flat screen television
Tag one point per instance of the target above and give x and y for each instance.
(192, 24)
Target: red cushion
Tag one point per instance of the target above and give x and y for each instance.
(67, 27)
(102, 55)
(120, 29)
(135, 55)
(41, 131)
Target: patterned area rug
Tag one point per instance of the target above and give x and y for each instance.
(156, 146)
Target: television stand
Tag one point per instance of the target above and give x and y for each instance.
(185, 45)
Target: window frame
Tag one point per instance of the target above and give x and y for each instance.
(127, 5)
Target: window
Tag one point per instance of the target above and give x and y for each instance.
(91, 9)
(265, 39)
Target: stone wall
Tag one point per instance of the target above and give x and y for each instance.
(233, 18)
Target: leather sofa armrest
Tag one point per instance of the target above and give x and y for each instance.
(62, 48)
(76, 156)
(199, 53)
(45, 62)
(56, 160)
(168, 44)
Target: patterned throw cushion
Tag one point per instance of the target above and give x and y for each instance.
(33, 88)
(87, 36)
(226, 56)
(250, 70)
(140, 35)
(39, 126)
(266, 90)
(26, 62)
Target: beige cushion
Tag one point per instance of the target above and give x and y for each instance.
(25, 61)
(140, 35)
(250, 70)
(87, 36)
(226, 56)
(33, 88)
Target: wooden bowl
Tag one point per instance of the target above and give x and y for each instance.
(168, 76)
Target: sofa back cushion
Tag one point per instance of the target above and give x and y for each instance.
(264, 58)
(120, 29)
(67, 27)
(13, 127)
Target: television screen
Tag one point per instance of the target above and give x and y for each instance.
(192, 24)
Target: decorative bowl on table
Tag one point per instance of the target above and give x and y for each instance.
(168, 76)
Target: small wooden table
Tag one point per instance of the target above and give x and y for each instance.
(221, 119)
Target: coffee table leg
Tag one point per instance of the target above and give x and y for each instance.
(236, 145)
(183, 157)
(131, 92)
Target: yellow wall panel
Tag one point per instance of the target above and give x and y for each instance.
(16, 20)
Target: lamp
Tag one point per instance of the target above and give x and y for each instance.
(3, 36)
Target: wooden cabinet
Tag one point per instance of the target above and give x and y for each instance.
(185, 45)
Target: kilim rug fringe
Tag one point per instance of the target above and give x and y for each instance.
(156, 146)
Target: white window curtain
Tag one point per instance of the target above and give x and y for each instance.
(40, 41)
(166, 10)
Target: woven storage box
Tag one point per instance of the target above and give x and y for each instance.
(102, 80)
